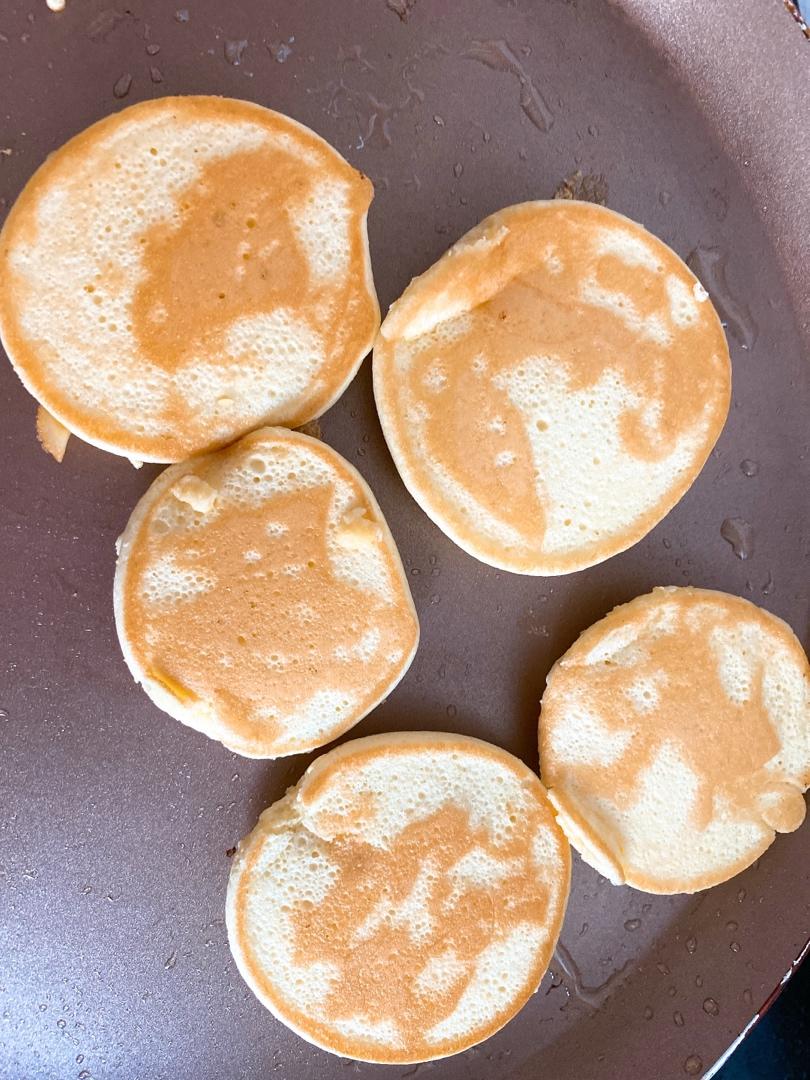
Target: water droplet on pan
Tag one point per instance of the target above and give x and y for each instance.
(234, 51)
(749, 467)
(593, 996)
(122, 86)
(500, 57)
(709, 265)
(280, 50)
(737, 532)
(693, 1065)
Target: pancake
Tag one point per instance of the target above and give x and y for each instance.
(551, 387)
(260, 598)
(675, 739)
(403, 901)
(184, 271)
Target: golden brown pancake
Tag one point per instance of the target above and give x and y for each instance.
(184, 271)
(551, 387)
(675, 739)
(260, 598)
(403, 901)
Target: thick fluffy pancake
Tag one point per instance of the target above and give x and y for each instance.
(551, 387)
(675, 738)
(403, 901)
(260, 598)
(184, 271)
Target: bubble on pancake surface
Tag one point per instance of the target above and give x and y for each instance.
(388, 893)
(166, 583)
(148, 171)
(279, 340)
(318, 224)
(440, 974)
(686, 793)
(118, 206)
(269, 543)
(502, 970)
(592, 487)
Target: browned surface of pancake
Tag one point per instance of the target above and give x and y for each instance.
(243, 617)
(138, 313)
(674, 736)
(552, 386)
(395, 905)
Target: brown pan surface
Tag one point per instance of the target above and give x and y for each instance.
(114, 820)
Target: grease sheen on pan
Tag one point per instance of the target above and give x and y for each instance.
(403, 901)
(184, 271)
(675, 738)
(260, 598)
(551, 387)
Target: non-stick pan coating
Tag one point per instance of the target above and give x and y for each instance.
(115, 822)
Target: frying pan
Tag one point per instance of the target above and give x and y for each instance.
(115, 822)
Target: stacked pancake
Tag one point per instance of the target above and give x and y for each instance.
(403, 901)
(674, 739)
(184, 271)
(551, 387)
(259, 596)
